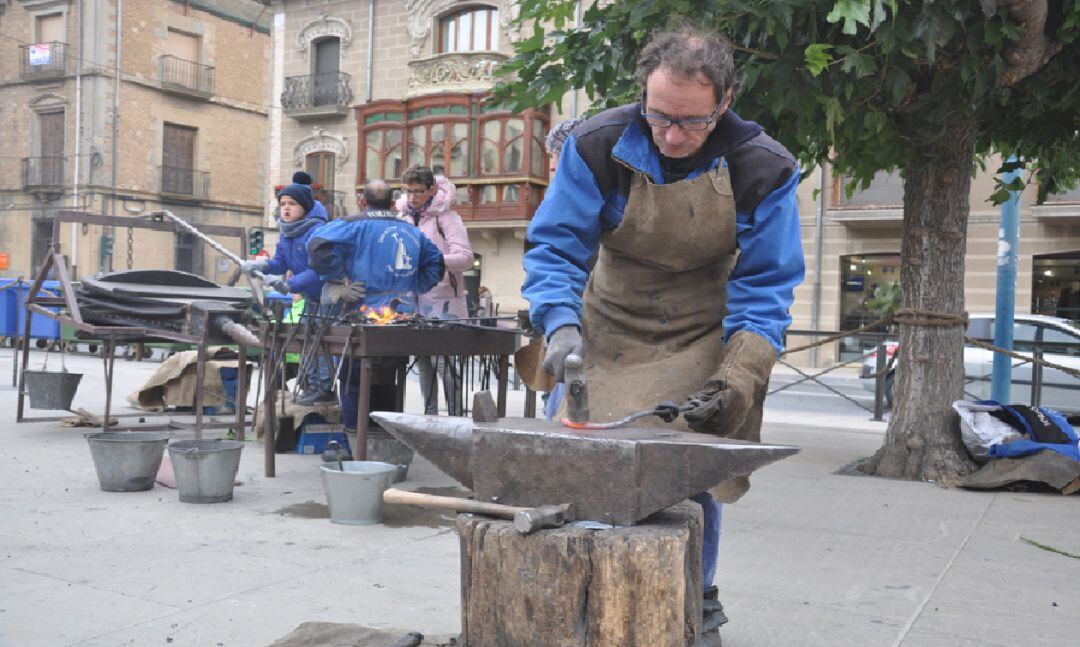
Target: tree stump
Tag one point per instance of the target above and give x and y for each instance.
(638, 585)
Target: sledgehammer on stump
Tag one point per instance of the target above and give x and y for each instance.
(526, 520)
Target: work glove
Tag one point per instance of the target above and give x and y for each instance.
(341, 292)
(278, 284)
(249, 267)
(563, 342)
(735, 389)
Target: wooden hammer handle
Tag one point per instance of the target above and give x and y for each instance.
(404, 497)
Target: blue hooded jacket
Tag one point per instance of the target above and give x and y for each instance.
(291, 255)
(587, 196)
(392, 257)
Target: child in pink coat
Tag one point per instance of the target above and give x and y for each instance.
(427, 203)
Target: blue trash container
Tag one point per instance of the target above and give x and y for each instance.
(9, 308)
(41, 327)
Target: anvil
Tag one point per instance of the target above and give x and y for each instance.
(615, 476)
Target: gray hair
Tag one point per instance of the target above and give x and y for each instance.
(688, 51)
(557, 137)
(377, 194)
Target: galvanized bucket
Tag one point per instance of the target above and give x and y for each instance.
(384, 448)
(127, 461)
(50, 389)
(355, 495)
(205, 469)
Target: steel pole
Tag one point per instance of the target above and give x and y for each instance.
(1007, 259)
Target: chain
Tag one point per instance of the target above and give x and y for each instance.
(130, 245)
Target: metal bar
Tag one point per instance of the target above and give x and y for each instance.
(269, 419)
(1036, 376)
(200, 382)
(83, 217)
(66, 288)
(504, 373)
(530, 403)
(185, 225)
(241, 392)
(363, 410)
(110, 353)
(401, 381)
(25, 363)
(879, 381)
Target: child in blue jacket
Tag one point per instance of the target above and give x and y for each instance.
(299, 217)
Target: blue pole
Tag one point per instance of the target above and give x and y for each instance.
(1007, 260)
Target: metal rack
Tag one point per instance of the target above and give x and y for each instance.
(198, 332)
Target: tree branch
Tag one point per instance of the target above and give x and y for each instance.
(1025, 56)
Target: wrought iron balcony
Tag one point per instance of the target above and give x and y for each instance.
(43, 173)
(316, 95)
(454, 72)
(185, 182)
(43, 60)
(186, 77)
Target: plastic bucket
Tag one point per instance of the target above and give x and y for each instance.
(355, 495)
(384, 448)
(51, 390)
(205, 469)
(127, 461)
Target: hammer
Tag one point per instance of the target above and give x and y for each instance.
(526, 520)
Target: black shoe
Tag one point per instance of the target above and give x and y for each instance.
(312, 398)
(712, 611)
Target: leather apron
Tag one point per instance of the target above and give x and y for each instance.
(656, 300)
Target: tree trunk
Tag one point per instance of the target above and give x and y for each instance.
(923, 439)
(622, 587)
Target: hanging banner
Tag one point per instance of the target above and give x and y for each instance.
(40, 54)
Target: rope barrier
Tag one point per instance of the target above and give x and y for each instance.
(928, 319)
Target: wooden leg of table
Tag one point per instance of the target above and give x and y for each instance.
(363, 410)
(504, 375)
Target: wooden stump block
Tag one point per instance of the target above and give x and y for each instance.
(639, 585)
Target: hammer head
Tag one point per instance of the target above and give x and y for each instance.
(577, 392)
(547, 516)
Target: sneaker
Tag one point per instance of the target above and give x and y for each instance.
(312, 398)
(712, 611)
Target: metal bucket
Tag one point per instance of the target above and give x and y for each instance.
(205, 469)
(127, 461)
(384, 448)
(355, 495)
(51, 390)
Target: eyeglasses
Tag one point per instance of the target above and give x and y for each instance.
(416, 192)
(689, 124)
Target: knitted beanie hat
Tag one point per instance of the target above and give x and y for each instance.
(300, 190)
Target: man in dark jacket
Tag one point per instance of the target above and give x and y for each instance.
(692, 212)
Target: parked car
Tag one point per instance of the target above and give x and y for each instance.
(1060, 390)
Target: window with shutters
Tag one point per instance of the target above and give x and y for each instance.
(46, 56)
(327, 71)
(320, 166)
(178, 175)
(181, 66)
(188, 253)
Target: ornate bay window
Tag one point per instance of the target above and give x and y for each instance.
(495, 158)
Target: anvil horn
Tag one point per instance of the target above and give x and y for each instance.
(617, 476)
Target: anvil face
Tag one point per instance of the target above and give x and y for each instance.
(616, 476)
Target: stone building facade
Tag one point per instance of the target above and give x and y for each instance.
(187, 130)
(368, 88)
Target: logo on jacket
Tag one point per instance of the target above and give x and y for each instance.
(403, 241)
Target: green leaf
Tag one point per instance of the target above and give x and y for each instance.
(817, 57)
(852, 12)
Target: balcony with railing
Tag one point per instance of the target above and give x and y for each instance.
(184, 182)
(317, 96)
(43, 60)
(43, 173)
(186, 77)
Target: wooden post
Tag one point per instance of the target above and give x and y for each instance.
(621, 587)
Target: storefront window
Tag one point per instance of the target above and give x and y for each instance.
(860, 276)
(1055, 285)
